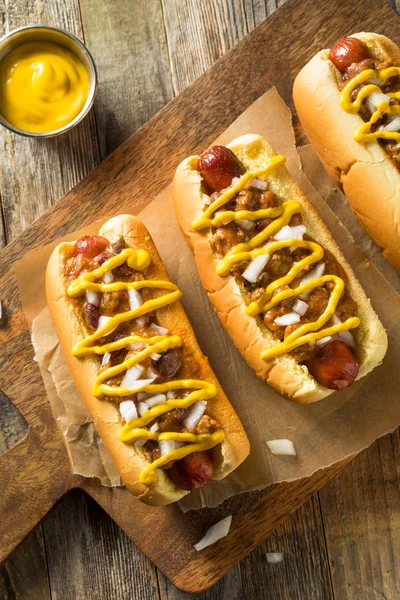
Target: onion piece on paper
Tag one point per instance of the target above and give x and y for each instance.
(274, 557)
(215, 533)
(282, 447)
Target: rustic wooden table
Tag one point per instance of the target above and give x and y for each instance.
(344, 542)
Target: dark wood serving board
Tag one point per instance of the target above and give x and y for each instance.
(35, 473)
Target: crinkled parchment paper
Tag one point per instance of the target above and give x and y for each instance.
(323, 433)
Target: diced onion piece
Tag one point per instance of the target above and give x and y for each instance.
(318, 271)
(151, 375)
(215, 533)
(137, 346)
(274, 557)
(288, 319)
(142, 320)
(155, 356)
(106, 358)
(235, 180)
(282, 447)
(245, 224)
(93, 297)
(158, 329)
(375, 98)
(347, 337)
(257, 184)
(300, 307)
(103, 320)
(139, 384)
(142, 408)
(142, 396)
(255, 267)
(194, 415)
(135, 299)
(128, 410)
(324, 340)
(156, 399)
(393, 125)
(166, 446)
(170, 395)
(290, 233)
(374, 81)
(108, 277)
(140, 442)
(132, 374)
(226, 220)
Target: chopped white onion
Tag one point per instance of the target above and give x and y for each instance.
(376, 98)
(290, 233)
(215, 533)
(324, 340)
(142, 408)
(137, 346)
(140, 442)
(282, 447)
(139, 384)
(158, 329)
(194, 415)
(170, 395)
(274, 557)
(347, 337)
(318, 271)
(154, 427)
(258, 184)
(245, 224)
(374, 81)
(106, 358)
(393, 125)
(108, 277)
(142, 396)
(93, 297)
(156, 399)
(235, 180)
(166, 446)
(128, 410)
(142, 320)
(103, 320)
(155, 356)
(288, 319)
(132, 374)
(151, 375)
(300, 307)
(135, 299)
(255, 267)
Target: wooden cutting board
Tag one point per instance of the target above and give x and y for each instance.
(35, 473)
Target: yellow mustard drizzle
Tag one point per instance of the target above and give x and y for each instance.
(202, 390)
(255, 247)
(363, 133)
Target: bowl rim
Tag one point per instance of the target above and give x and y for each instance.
(91, 95)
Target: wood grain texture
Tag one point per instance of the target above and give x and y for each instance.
(360, 508)
(180, 136)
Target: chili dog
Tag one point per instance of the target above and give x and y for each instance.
(135, 360)
(277, 279)
(348, 101)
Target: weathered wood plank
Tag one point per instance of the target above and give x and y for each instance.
(90, 556)
(129, 46)
(360, 509)
(303, 573)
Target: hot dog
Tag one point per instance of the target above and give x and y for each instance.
(348, 101)
(135, 360)
(277, 279)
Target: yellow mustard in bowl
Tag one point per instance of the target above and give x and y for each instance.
(43, 86)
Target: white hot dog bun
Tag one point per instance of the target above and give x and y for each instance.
(366, 174)
(71, 329)
(283, 373)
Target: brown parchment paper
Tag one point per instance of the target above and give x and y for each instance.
(323, 433)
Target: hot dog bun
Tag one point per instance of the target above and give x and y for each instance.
(364, 172)
(131, 460)
(284, 373)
